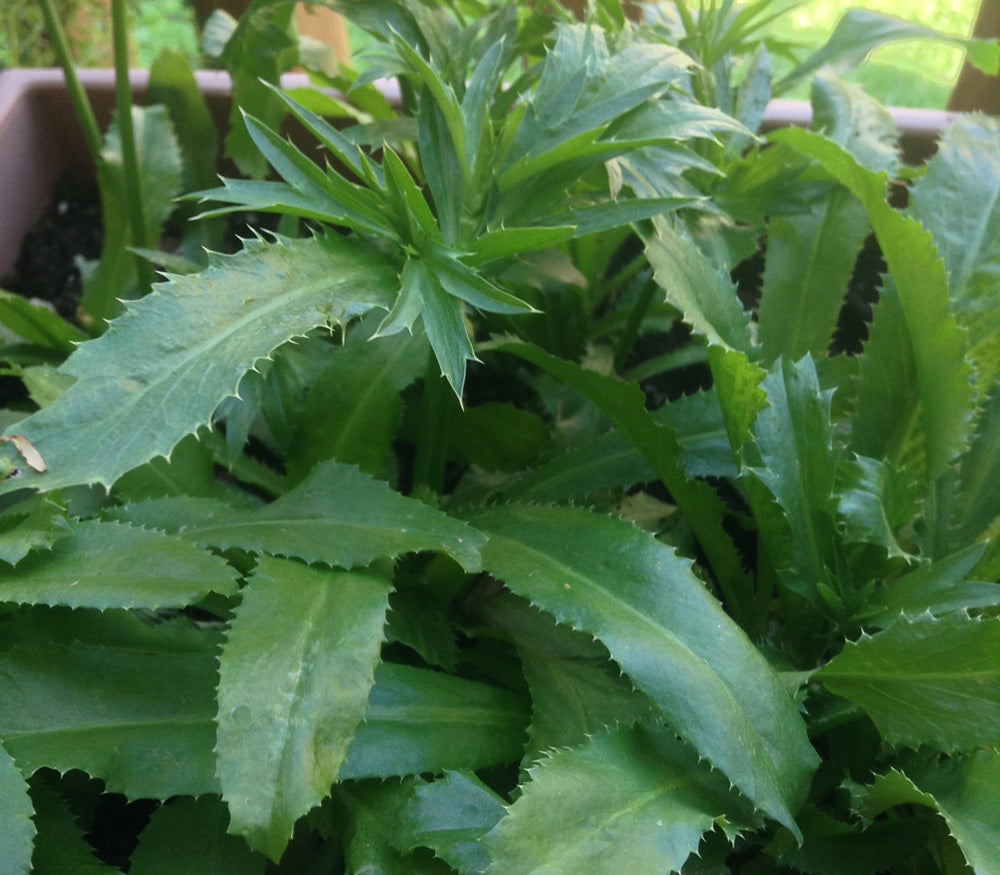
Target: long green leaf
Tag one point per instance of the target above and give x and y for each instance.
(103, 707)
(635, 800)
(933, 681)
(161, 369)
(294, 678)
(16, 829)
(938, 346)
(60, 846)
(109, 565)
(604, 577)
(421, 721)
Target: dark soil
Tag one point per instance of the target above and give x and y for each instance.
(70, 229)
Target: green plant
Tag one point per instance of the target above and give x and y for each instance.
(371, 550)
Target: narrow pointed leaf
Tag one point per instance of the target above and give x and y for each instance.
(16, 829)
(60, 846)
(162, 368)
(110, 565)
(933, 681)
(294, 678)
(604, 577)
(424, 721)
(631, 801)
(36, 323)
(938, 345)
(978, 503)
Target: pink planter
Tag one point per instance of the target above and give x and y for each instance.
(40, 138)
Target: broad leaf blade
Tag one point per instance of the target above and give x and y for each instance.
(634, 800)
(102, 706)
(110, 565)
(422, 721)
(668, 634)
(161, 369)
(926, 681)
(294, 678)
(16, 829)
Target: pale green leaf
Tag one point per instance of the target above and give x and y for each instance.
(184, 830)
(110, 565)
(932, 681)
(450, 816)
(665, 630)
(17, 832)
(163, 367)
(422, 721)
(105, 709)
(337, 515)
(958, 201)
(810, 257)
(855, 122)
(874, 502)
(294, 678)
(702, 292)
(937, 344)
(977, 505)
(635, 800)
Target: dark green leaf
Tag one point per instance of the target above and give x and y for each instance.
(60, 846)
(933, 681)
(36, 323)
(672, 638)
(284, 724)
(186, 829)
(34, 524)
(17, 832)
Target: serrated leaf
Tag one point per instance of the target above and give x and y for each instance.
(933, 681)
(104, 708)
(184, 830)
(337, 515)
(35, 524)
(977, 504)
(17, 832)
(161, 369)
(421, 721)
(450, 816)
(792, 454)
(353, 407)
(958, 201)
(856, 122)
(962, 790)
(110, 565)
(576, 691)
(635, 800)
(624, 404)
(60, 846)
(294, 678)
(810, 257)
(667, 633)
(936, 343)
(36, 323)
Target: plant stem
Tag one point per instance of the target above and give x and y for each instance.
(631, 330)
(435, 410)
(77, 96)
(130, 161)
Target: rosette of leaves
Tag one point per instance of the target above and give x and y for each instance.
(283, 599)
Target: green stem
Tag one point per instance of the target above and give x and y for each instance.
(432, 433)
(77, 96)
(631, 330)
(130, 161)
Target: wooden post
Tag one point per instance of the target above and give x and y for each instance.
(975, 90)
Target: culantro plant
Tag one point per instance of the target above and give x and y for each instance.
(529, 501)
